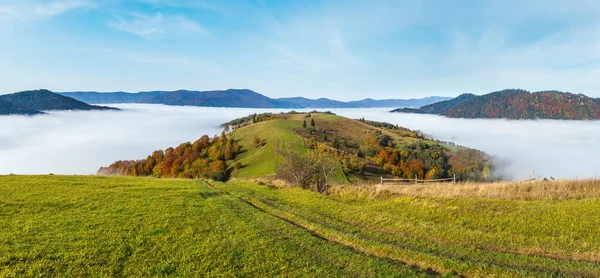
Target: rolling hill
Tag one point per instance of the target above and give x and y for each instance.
(33, 102)
(516, 104)
(362, 149)
(238, 98)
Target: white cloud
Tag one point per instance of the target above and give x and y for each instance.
(28, 10)
(156, 26)
(11, 12)
(58, 7)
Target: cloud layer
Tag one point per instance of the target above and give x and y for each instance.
(81, 142)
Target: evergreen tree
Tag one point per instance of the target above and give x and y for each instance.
(312, 122)
(304, 124)
(335, 141)
(325, 137)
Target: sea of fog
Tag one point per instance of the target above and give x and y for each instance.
(80, 142)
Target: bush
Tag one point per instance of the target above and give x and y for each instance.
(306, 171)
(218, 176)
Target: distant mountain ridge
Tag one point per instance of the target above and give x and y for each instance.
(238, 98)
(365, 103)
(34, 102)
(516, 104)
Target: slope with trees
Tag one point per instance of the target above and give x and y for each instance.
(7, 108)
(516, 104)
(312, 150)
(32, 102)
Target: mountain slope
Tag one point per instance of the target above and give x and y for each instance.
(317, 103)
(228, 98)
(7, 108)
(365, 103)
(239, 98)
(385, 103)
(113, 97)
(438, 108)
(516, 104)
(44, 100)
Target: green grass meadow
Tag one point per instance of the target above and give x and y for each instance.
(262, 160)
(123, 226)
(97, 226)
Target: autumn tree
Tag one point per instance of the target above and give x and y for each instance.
(205, 158)
(296, 169)
(312, 144)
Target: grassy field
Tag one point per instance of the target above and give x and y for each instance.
(262, 160)
(95, 226)
(470, 236)
(115, 226)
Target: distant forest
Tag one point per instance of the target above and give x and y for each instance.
(516, 104)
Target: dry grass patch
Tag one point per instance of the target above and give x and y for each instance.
(506, 190)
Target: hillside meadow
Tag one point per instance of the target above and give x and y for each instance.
(132, 226)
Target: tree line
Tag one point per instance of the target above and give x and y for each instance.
(205, 158)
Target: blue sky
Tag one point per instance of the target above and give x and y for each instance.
(339, 49)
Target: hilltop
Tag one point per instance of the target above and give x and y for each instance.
(36, 101)
(239, 98)
(516, 104)
(360, 150)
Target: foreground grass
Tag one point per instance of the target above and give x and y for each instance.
(98, 226)
(470, 236)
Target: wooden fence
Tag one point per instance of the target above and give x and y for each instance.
(415, 180)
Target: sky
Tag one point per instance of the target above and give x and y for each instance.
(345, 50)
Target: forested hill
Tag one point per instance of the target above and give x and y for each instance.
(7, 108)
(228, 98)
(516, 104)
(291, 145)
(35, 101)
(240, 98)
(217, 98)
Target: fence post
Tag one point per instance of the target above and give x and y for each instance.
(454, 178)
(381, 180)
(416, 179)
